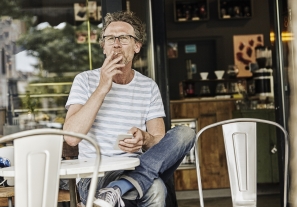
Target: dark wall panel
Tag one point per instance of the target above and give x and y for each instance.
(205, 61)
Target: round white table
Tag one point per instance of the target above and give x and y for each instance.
(83, 168)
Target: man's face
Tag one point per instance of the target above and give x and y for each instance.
(127, 50)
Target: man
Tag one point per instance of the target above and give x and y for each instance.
(116, 99)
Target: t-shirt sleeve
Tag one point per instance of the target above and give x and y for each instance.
(79, 91)
(156, 108)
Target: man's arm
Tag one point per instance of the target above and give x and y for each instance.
(80, 118)
(155, 132)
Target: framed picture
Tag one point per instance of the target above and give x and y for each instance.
(99, 16)
(244, 52)
(82, 37)
(92, 7)
(172, 50)
(190, 48)
(81, 11)
(94, 37)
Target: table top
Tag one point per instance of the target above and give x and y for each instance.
(82, 168)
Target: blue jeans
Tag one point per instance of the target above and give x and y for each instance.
(156, 165)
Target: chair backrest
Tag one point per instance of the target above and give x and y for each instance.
(8, 153)
(240, 138)
(37, 159)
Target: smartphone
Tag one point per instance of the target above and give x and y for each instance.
(121, 137)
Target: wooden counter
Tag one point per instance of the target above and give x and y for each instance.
(213, 162)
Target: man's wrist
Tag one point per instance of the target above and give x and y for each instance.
(148, 141)
(100, 92)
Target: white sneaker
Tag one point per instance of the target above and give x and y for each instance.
(109, 197)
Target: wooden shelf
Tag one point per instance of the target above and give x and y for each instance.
(234, 9)
(190, 10)
(214, 80)
(214, 88)
(186, 167)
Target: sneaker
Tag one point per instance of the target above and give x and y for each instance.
(109, 197)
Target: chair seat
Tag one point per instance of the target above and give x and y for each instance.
(246, 203)
(6, 192)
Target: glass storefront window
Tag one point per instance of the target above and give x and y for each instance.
(42, 47)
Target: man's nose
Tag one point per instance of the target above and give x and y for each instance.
(117, 41)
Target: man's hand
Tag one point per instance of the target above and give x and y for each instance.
(144, 139)
(134, 144)
(108, 70)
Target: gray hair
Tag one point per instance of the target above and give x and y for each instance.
(128, 17)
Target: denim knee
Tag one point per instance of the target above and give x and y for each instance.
(155, 196)
(183, 135)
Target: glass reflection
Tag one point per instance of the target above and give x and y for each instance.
(43, 46)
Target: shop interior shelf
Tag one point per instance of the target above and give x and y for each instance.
(191, 10)
(234, 9)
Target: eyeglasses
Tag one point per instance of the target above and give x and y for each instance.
(124, 39)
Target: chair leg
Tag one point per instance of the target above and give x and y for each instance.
(72, 188)
(10, 202)
(77, 195)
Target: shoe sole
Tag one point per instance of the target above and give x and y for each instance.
(101, 203)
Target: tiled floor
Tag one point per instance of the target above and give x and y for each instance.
(268, 196)
(263, 201)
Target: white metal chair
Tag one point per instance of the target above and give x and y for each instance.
(37, 159)
(8, 192)
(241, 152)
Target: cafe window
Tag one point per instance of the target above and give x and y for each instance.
(43, 46)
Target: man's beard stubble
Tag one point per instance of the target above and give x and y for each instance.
(124, 60)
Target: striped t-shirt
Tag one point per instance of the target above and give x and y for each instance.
(124, 107)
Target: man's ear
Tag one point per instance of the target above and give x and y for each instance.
(137, 47)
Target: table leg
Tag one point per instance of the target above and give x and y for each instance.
(72, 190)
(10, 204)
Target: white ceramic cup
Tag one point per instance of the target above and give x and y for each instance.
(204, 75)
(219, 74)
